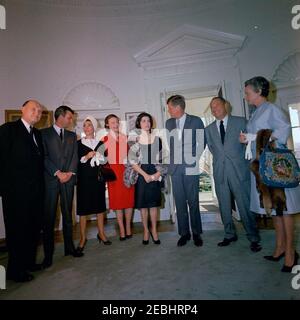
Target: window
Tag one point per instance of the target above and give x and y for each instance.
(294, 110)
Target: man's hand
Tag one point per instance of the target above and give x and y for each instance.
(64, 176)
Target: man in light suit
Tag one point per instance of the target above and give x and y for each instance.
(61, 161)
(231, 172)
(22, 190)
(186, 142)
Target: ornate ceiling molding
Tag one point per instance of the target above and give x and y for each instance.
(91, 96)
(288, 72)
(189, 44)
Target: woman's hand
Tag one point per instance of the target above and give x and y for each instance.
(90, 155)
(243, 138)
(147, 178)
(156, 176)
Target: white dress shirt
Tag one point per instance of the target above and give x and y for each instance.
(225, 121)
(27, 125)
(180, 124)
(57, 129)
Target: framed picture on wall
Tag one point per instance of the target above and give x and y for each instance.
(130, 118)
(45, 122)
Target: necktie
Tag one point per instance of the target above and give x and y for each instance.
(61, 134)
(222, 131)
(178, 128)
(31, 134)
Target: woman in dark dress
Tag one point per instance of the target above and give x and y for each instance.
(148, 185)
(90, 191)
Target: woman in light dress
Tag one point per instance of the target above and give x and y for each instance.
(269, 116)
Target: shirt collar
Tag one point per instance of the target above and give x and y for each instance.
(26, 124)
(57, 129)
(225, 120)
(182, 118)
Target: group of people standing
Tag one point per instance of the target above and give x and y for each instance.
(38, 167)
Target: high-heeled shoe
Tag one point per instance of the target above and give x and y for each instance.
(290, 268)
(122, 238)
(80, 249)
(154, 241)
(128, 236)
(145, 242)
(106, 243)
(272, 258)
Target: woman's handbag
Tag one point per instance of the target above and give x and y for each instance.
(130, 176)
(279, 168)
(105, 173)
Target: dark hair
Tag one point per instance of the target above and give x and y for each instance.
(259, 83)
(177, 100)
(61, 111)
(219, 98)
(140, 117)
(107, 118)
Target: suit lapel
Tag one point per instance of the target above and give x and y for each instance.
(228, 129)
(216, 134)
(187, 121)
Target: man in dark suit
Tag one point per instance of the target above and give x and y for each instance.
(61, 161)
(231, 172)
(186, 141)
(22, 190)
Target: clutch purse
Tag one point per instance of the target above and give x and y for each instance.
(105, 173)
(130, 176)
(279, 168)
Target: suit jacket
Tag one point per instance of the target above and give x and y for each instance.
(59, 155)
(191, 142)
(21, 160)
(230, 157)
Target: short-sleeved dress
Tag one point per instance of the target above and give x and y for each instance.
(148, 195)
(120, 197)
(90, 191)
(269, 116)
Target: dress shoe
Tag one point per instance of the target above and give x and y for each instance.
(290, 268)
(106, 243)
(22, 277)
(198, 242)
(36, 267)
(227, 241)
(74, 253)
(154, 241)
(79, 248)
(183, 240)
(255, 246)
(272, 258)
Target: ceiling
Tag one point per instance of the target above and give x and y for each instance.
(126, 7)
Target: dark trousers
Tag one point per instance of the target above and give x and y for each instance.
(241, 193)
(23, 222)
(66, 193)
(186, 195)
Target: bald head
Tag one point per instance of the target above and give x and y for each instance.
(31, 111)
